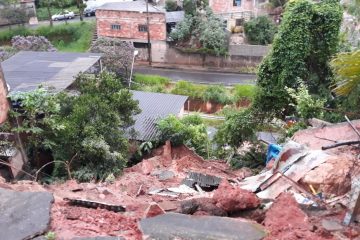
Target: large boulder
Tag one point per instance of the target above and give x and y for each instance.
(24, 215)
(233, 199)
(332, 176)
(179, 226)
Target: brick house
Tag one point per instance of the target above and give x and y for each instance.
(128, 21)
(235, 12)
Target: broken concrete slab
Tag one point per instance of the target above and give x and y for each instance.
(331, 225)
(180, 226)
(206, 182)
(24, 215)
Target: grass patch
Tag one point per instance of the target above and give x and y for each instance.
(244, 91)
(71, 37)
(151, 80)
(42, 13)
(7, 35)
(213, 122)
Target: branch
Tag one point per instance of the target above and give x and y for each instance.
(340, 144)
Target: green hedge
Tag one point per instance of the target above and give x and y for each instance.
(151, 80)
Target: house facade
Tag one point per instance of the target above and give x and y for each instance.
(234, 12)
(128, 20)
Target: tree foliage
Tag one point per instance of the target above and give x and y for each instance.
(347, 70)
(85, 130)
(117, 55)
(202, 30)
(302, 48)
(189, 130)
(239, 126)
(95, 122)
(260, 30)
(171, 5)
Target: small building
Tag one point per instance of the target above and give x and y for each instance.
(128, 21)
(27, 70)
(154, 107)
(234, 12)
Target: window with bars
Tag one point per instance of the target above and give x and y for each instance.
(237, 3)
(143, 28)
(115, 27)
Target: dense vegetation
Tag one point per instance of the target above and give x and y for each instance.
(85, 132)
(260, 30)
(201, 31)
(306, 40)
(74, 37)
(213, 93)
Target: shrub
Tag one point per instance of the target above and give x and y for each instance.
(306, 106)
(183, 29)
(244, 91)
(189, 131)
(238, 127)
(170, 5)
(7, 35)
(188, 89)
(260, 30)
(217, 94)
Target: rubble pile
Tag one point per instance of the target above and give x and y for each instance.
(304, 193)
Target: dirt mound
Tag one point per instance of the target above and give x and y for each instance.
(285, 220)
(71, 221)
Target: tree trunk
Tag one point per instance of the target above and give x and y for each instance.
(49, 12)
(80, 6)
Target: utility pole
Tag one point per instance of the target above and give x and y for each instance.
(148, 30)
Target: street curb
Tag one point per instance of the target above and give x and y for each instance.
(215, 70)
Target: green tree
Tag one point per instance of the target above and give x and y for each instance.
(94, 127)
(260, 30)
(346, 67)
(239, 126)
(302, 48)
(212, 34)
(171, 5)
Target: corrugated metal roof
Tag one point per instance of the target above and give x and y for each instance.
(174, 17)
(154, 106)
(132, 6)
(27, 70)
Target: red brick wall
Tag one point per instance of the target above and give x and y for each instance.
(4, 104)
(226, 6)
(129, 22)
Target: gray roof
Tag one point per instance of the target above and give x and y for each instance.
(27, 70)
(175, 17)
(154, 106)
(268, 137)
(132, 6)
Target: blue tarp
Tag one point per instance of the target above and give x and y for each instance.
(272, 152)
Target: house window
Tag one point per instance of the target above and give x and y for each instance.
(115, 27)
(143, 28)
(237, 3)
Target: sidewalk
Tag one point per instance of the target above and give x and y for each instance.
(188, 67)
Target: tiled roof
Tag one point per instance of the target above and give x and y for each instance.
(154, 106)
(27, 70)
(131, 6)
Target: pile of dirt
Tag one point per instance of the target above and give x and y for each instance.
(285, 220)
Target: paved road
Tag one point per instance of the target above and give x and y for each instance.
(46, 23)
(199, 76)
